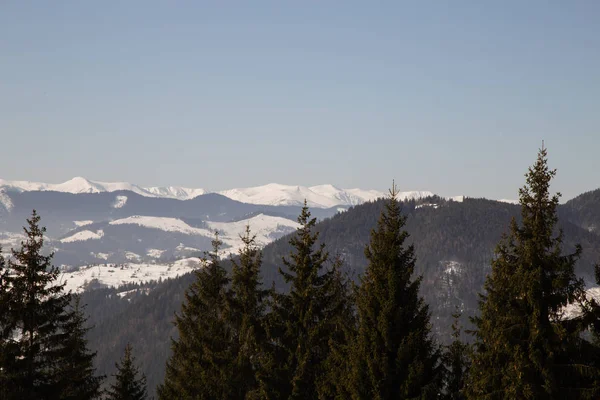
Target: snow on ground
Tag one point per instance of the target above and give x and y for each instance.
(83, 235)
(574, 310)
(509, 201)
(121, 274)
(162, 223)
(119, 202)
(175, 192)
(451, 267)
(10, 239)
(101, 256)
(266, 228)
(154, 253)
(322, 196)
(132, 256)
(426, 205)
(5, 200)
(182, 247)
(82, 185)
(458, 199)
(83, 223)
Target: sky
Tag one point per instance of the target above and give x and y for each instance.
(452, 97)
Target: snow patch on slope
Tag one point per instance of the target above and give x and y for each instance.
(162, 223)
(175, 192)
(101, 256)
(322, 196)
(132, 256)
(119, 202)
(83, 236)
(118, 275)
(10, 240)
(266, 228)
(5, 200)
(154, 253)
(83, 223)
(574, 310)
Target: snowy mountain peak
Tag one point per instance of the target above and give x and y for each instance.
(82, 185)
(321, 196)
(275, 194)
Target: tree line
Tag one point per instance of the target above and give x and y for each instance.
(327, 337)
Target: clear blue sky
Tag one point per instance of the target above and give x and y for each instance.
(449, 96)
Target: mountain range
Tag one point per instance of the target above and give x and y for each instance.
(321, 196)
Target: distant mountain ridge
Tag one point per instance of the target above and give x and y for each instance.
(320, 196)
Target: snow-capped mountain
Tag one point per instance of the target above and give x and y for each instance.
(81, 185)
(322, 196)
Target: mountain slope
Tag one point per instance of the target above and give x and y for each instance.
(454, 243)
(322, 196)
(81, 185)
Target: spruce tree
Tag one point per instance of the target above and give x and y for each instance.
(524, 349)
(200, 366)
(394, 356)
(34, 308)
(129, 383)
(5, 331)
(76, 371)
(245, 314)
(456, 361)
(335, 384)
(300, 321)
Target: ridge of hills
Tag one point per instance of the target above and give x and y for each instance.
(454, 243)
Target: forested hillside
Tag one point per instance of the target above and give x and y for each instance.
(454, 244)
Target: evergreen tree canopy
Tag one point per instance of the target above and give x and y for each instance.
(76, 372)
(394, 356)
(245, 313)
(33, 320)
(524, 349)
(335, 384)
(300, 321)
(200, 366)
(129, 383)
(456, 361)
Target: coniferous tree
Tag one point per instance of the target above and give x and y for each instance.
(200, 367)
(5, 331)
(456, 361)
(34, 319)
(394, 356)
(300, 321)
(335, 384)
(245, 313)
(524, 348)
(129, 383)
(76, 371)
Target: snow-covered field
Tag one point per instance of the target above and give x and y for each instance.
(83, 235)
(265, 227)
(83, 223)
(162, 223)
(120, 274)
